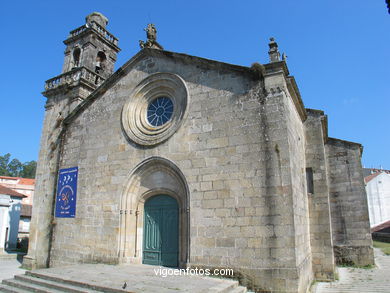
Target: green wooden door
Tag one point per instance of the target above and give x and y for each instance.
(161, 229)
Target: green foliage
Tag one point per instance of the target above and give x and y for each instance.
(4, 161)
(353, 266)
(385, 247)
(29, 169)
(15, 168)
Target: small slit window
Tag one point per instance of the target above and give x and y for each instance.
(100, 62)
(76, 57)
(309, 180)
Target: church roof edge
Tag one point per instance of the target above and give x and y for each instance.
(189, 59)
(213, 64)
(332, 140)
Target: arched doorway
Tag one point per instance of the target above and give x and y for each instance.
(153, 177)
(161, 231)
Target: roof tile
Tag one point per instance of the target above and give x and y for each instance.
(9, 191)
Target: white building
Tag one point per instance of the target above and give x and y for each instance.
(10, 204)
(378, 196)
(24, 186)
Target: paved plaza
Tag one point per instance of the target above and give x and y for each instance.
(142, 278)
(10, 266)
(375, 280)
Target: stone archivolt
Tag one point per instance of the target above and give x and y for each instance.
(151, 177)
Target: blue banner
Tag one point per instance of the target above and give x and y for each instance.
(66, 193)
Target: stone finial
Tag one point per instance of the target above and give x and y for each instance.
(151, 32)
(273, 52)
(98, 18)
(151, 35)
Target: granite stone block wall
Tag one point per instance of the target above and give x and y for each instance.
(348, 203)
(234, 149)
(320, 217)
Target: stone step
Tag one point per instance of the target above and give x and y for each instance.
(21, 285)
(97, 278)
(63, 287)
(359, 280)
(223, 285)
(28, 286)
(9, 289)
(70, 284)
(239, 289)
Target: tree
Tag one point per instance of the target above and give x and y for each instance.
(4, 160)
(29, 169)
(15, 168)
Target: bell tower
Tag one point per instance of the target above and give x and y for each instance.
(90, 55)
(91, 46)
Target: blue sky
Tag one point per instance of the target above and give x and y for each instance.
(338, 52)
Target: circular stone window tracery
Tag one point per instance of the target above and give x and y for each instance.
(155, 109)
(160, 111)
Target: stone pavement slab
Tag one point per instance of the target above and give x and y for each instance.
(10, 267)
(138, 278)
(375, 280)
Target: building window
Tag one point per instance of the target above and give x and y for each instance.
(309, 180)
(155, 108)
(160, 111)
(76, 57)
(100, 62)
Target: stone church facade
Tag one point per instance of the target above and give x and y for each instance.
(189, 162)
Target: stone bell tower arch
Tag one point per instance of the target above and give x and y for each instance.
(90, 55)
